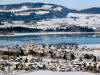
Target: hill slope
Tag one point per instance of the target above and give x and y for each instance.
(28, 12)
(35, 17)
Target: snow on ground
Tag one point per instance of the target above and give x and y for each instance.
(57, 73)
(16, 10)
(92, 45)
(23, 13)
(42, 12)
(90, 20)
(96, 48)
(58, 9)
(27, 8)
(46, 6)
(96, 52)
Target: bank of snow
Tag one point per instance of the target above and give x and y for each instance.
(92, 45)
(95, 47)
(57, 73)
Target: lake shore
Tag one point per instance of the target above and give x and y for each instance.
(46, 33)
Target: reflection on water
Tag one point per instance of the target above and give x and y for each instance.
(89, 38)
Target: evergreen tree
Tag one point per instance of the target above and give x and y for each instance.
(72, 56)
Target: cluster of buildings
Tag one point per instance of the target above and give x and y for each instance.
(54, 57)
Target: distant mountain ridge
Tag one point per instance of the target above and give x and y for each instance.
(94, 10)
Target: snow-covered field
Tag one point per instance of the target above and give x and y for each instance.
(91, 20)
(96, 52)
(92, 45)
(26, 8)
(78, 19)
(96, 48)
(57, 73)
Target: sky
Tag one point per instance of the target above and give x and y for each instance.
(73, 4)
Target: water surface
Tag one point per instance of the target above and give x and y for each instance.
(89, 38)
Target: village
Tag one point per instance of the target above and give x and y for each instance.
(64, 57)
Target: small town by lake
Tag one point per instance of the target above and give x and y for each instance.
(79, 52)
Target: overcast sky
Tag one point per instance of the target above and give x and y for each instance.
(74, 4)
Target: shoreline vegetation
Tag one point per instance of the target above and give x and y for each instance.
(45, 33)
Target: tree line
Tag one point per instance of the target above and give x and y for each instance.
(67, 29)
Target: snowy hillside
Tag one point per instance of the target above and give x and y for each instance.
(47, 16)
(78, 19)
(28, 12)
(90, 20)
